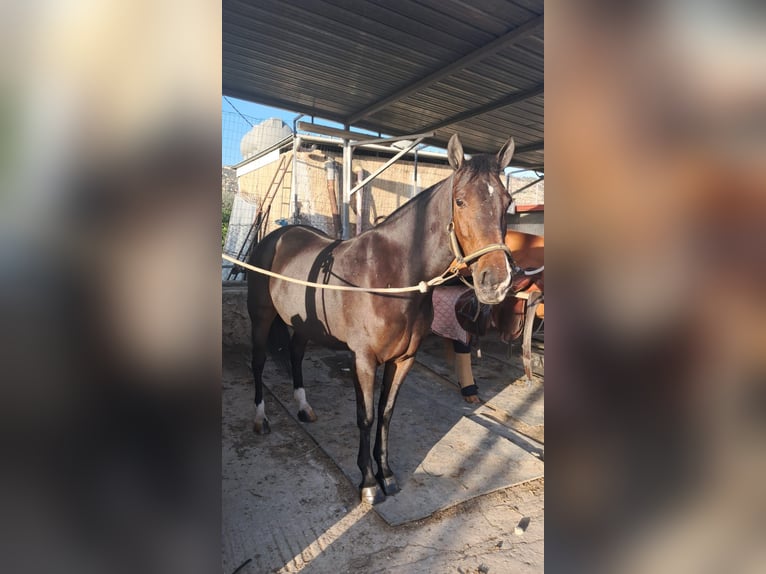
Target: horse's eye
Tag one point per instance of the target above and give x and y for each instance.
(460, 202)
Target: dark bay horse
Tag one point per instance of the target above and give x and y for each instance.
(412, 245)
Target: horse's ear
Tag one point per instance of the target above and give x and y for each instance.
(455, 152)
(506, 153)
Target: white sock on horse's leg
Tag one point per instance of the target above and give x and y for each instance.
(300, 397)
(305, 412)
(261, 423)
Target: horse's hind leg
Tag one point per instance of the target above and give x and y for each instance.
(260, 333)
(393, 375)
(297, 349)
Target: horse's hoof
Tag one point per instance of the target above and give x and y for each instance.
(372, 494)
(390, 485)
(262, 427)
(307, 416)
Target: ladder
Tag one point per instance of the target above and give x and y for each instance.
(264, 211)
(257, 228)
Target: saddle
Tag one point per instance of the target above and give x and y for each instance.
(507, 316)
(472, 315)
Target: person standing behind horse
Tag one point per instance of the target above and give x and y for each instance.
(445, 324)
(507, 316)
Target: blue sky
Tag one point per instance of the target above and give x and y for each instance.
(230, 151)
(265, 112)
(256, 113)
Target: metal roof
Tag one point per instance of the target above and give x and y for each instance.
(396, 66)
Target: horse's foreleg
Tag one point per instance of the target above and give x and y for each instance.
(297, 350)
(365, 379)
(393, 375)
(260, 333)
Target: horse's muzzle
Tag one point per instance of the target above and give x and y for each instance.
(491, 298)
(492, 287)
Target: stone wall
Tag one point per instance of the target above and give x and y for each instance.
(533, 195)
(376, 200)
(234, 319)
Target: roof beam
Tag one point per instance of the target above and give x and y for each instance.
(257, 98)
(495, 45)
(490, 107)
(357, 138)
(534, 146)
(334, 132)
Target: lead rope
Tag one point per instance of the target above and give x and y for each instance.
(422, 287)
(451, 272)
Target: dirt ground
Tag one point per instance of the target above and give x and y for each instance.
(287, 507)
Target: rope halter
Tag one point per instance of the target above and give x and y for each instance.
(462, 261)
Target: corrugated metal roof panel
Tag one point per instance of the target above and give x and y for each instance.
(396, 66)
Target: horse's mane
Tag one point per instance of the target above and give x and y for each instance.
(475, 167)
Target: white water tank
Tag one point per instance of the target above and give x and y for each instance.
(263, 136)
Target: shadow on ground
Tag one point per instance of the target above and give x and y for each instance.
(290, 503)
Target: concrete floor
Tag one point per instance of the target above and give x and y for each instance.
(288, 506)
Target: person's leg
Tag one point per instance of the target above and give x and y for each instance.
(464, 372)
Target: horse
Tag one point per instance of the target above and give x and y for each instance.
(508, 316)
(528, 250)
(464, 213)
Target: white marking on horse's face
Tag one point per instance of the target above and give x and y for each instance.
(491, 188)
(505, 285)
(502, 289)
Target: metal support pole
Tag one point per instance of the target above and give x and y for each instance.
(293, 207)
(344, 210)
(382, 168)
(359, 205)
(415, 186)
(293, 184)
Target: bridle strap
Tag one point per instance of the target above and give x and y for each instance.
(461, 261)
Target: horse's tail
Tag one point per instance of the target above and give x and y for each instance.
(279, 344)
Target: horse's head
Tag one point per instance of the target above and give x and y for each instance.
(479, 204)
